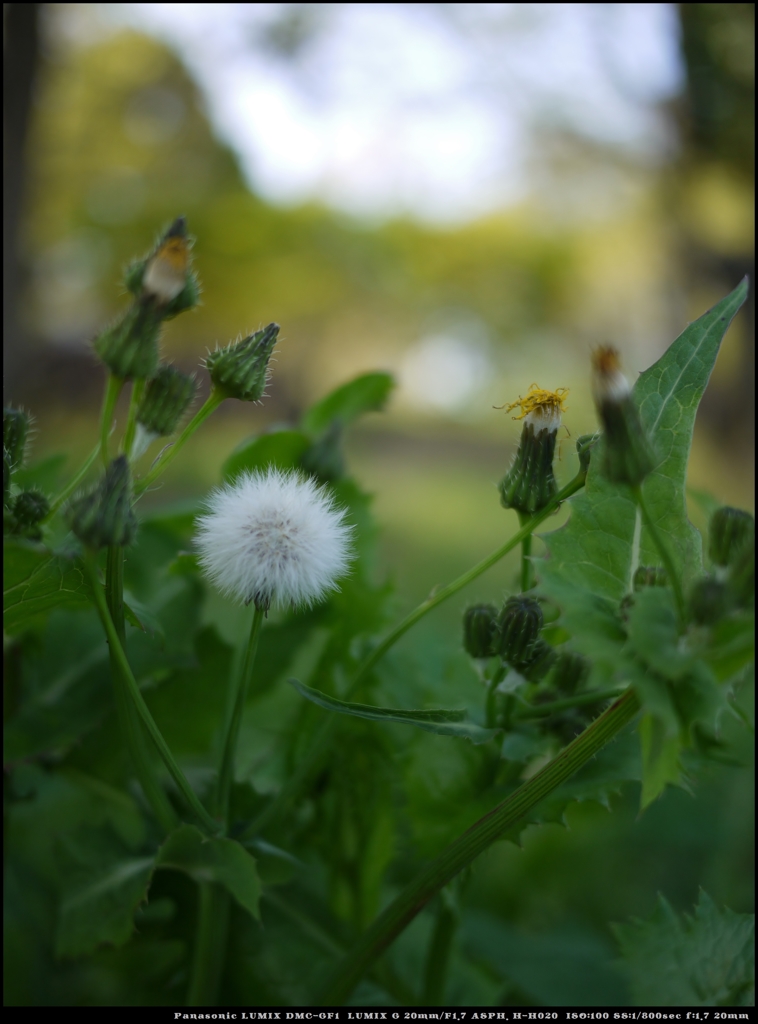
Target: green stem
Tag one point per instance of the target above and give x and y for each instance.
(71, 486)
(404, 908)
(210, 405)
(154, 732)
(438, 955)
(112, 391)
(210, 944)
(130, 724)
(664, 552)
(138, 389)
(229, 749)
(526, 550)
(323, 739)
(539, 710)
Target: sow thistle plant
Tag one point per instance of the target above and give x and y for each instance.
(619, 627)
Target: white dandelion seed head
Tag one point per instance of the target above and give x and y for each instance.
(274, 537)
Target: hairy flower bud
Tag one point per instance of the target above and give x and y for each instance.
(542, 659)
(129, 347)
(729, 532)
(165, 277)
(569, 672)
(517, 629)
(708, 601)
(478, 624)
(241, 369)
(628, 456)
(30, 507)
(529, 485)
(165, 401)
(104, 516)
(15, 433)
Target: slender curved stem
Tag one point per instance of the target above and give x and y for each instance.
(112, 391)
(138, 389)
(404, 908)
(74, 482)
(663, 551)
(309, 765)
(212, 402)
(131, 726)
(229, 748)
(117, 650)
(581, 700)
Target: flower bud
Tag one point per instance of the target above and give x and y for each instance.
(529, 485)
(129, 348)
(241, 369)
(708, 600)
(164, 277)
(30, 507)
(15, 432)
(729, 532)
(569, 672)
(741, 582)
(104, 517)
(165, 401)
(478, 624)
(542, 660)
(650, 576)
(628, 455)
(516, 630)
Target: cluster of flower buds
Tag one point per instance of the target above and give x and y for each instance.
(103, 516)
(529, 485)
(23, 511)
(513, 634)
(628, 456)
(163, 285)
(241, 369)
(731, 584)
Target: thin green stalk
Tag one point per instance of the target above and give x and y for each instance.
(663, 551)
(210, 944)
(404, 908)
(138, 389)
(73, 483)
(309, 765)
(131, 726)
(112, 391)
(229, 748)
(212, 402)
(582, 699)
(526, 551)
(122, 664)
(438, 956)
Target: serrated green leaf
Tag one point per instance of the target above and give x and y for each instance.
(705, 960)
(654, 633)
(35, 581)
(367, 393)
(660, 757)
(443, 722)
(281, 448)
(223, 861)
(103, 884)
(731, 645)
(604, 542)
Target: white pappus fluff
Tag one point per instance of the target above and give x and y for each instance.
(274, 537)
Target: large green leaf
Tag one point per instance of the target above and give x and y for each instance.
(34, 581)
(103, 884)
(367, 393)
(281, 448)
(602, 544)
(442, 721)
(706, 960)
(223, 861)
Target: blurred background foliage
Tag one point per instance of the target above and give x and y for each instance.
(108, 138)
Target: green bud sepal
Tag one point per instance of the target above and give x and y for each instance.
(166, 399)
(104, 516)
(129, 347)
(529, 485)
(517, 630)
(478, 625)
(241, 369)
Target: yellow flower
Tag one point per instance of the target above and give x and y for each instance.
(540, 408)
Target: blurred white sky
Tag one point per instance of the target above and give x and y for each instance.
(428, 109)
